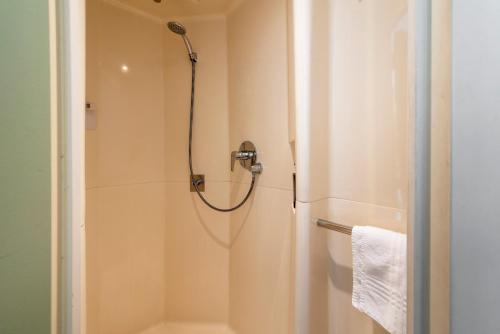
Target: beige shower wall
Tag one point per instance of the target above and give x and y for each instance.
(154, 253)
(261, 232)
(197, 238)
(125, 172)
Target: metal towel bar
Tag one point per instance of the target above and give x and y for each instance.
(334, 226)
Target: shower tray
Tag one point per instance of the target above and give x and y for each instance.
(189, 328)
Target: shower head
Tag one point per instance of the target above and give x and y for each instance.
(179, 29)
(176, 27)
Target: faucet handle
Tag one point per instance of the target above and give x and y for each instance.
(241, 155)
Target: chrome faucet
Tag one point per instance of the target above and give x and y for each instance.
(247, 155)
(240, 155)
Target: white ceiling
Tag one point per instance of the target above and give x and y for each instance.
(180, 8)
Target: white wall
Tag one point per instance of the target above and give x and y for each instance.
(475, 167)
(352, 146)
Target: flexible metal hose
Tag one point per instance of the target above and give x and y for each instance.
(195, 184)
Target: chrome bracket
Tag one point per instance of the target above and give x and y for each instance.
(199, 179)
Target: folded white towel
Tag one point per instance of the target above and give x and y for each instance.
(379, 274)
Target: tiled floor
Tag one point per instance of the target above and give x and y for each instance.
(189, 328)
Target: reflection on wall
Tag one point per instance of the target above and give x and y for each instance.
(352, 145)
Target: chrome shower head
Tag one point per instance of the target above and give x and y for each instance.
(179, 29)
(176, 27)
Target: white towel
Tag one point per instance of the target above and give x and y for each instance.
(379, 276)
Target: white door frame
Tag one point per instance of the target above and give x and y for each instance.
(71, 47)
(71, 20)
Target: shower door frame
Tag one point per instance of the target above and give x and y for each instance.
(71, 304)
(71, 64)
(430, 151)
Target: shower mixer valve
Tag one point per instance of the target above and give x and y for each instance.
(247, 155)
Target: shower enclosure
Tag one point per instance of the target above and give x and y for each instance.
(158, 259)
(185, 231)
(334, 98)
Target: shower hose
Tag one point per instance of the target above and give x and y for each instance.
(198, 182)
